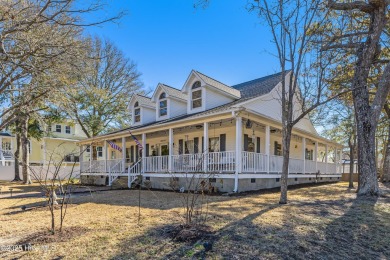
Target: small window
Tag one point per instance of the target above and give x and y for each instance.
(253, 180)
(147, 178)
(113, 156)
(88, 150)
(212, 180)
(277, 149)
(277, 179)
(58, 128)
(163, 105)
(196, 95)
(49, 128)
(137, 115)
(99, 150)
(296, 179)
(67, 129)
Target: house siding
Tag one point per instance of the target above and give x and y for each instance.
(148, 115)
(176, 108)
(215, 99)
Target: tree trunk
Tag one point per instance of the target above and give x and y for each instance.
(286, 139)
(16, 157)
(368, 179)
(386, 161)
(25, 151)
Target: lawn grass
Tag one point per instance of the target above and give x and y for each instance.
(319, 222)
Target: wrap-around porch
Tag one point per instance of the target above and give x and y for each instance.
(238, 145)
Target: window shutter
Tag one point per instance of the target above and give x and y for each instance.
(196, 143)
(136, 153)
(203, 144)
(222, 142)
(276, 148)
(132, 153)
(258, 144)
(245, 142)
(180, 146)
(147, 150)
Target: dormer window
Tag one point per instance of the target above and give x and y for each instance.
(163, 104)
(137, 112)
(196, 95)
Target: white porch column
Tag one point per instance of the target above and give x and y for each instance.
(170, 150)
(304, 154)
(338, 163)
(81, 159)
(205, 146)
(143, 152)
(105, 156)
(238, 151)
(45, 151)
(12, 145)
(326, 158)
(90, 157)
(316, 154)
(268, 145)
(123, 154)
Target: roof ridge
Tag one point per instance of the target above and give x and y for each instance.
(212, 78)
(263, 78)
(170, 87)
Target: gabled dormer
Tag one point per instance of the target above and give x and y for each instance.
(205, 93)
(170, 102)
(143, 110)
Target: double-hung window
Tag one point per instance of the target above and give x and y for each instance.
(196, 95)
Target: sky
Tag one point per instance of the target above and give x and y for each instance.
(167, 39)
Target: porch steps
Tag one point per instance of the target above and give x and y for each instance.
(132, 174)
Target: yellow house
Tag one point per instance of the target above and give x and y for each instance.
(59, 142)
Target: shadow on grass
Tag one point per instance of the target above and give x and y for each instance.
(330, 229)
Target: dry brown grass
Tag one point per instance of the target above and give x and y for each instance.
(320, 222)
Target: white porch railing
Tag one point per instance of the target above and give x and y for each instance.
(6, 156)
(310, 166)
(295, 166)
(115, 166)
(187, 163)
(217, 162)
(221, 162)
(321, 166)
(254, 162)
(275, 163)
(157, 164)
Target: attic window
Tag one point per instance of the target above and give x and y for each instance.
(163, 104)
(137, 112)
(196, 95)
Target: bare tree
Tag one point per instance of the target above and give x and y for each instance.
(368, 37)
(293, 25)
(102, 90)
(37, 36)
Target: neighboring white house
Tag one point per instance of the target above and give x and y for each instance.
(208, 128)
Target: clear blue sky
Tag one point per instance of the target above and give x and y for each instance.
(166, 39)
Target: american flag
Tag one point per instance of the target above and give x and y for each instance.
(114, 146)
(136, 141)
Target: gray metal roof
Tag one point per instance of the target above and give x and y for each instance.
(260, 86)
(219, 85)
